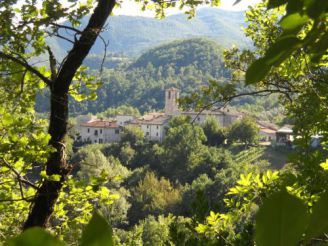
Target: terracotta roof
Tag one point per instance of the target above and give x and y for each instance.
(267, 124)
(150, 116)
(154, 120)
(101, 124)
(157, 121)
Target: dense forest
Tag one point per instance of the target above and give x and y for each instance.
(204, 184)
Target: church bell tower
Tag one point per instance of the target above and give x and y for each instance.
(171, 101)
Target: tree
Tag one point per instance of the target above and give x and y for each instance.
(183, 150)
(132, 135)
(214, 133)
(154, 196)
(245, 131)
(303, 30)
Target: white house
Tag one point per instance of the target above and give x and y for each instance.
(153, 125)
(100, 131)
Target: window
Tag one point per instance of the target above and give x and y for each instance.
(147, 126)
(95, 140)
(157, 127)
(100, 131)
(100, 140)
(147, 133)
(96, 132)
(198, 118)
(169, 94)
(117, 131)
(157, 134)
(88, 130)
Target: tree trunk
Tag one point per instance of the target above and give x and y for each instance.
(47, 195)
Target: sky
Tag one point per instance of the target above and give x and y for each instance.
(129, 7)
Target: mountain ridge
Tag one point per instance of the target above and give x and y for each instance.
(134, 35)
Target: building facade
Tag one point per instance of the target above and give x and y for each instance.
(100, 131)
(153, 125)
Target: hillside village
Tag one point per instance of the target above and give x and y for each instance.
(154, 124)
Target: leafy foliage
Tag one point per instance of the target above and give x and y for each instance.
(304, 28)
(245, 131)
(97, 232)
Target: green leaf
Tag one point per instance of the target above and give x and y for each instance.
(7, 119)
(257, 71)
(319, 218)
(281, 49)
(55, 177)
(293, 21)
(97, 233)
(35, 237)
(280, 221)
(324, 165)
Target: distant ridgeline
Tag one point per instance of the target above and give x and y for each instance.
(184, 64)
(133, 35)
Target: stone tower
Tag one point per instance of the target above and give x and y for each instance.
(171, 101)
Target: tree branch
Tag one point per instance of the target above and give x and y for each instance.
(27, 66)
(66, 27)
(19, 177)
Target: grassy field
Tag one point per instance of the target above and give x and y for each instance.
(276, 156)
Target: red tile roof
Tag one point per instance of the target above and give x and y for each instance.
(101, 124)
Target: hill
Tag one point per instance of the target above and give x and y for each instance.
(185, 64)
(132, 35)
(202, 54)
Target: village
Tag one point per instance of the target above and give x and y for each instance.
(154, 124)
